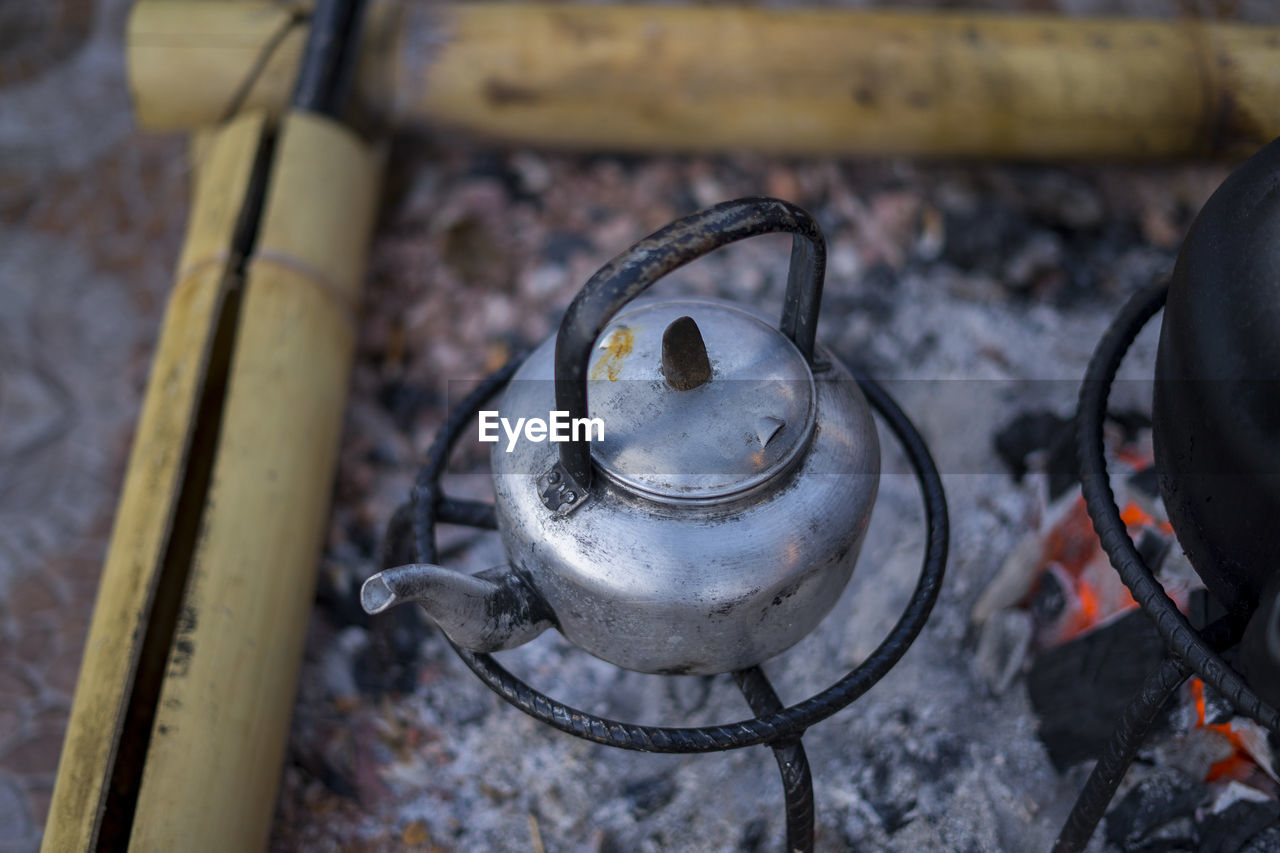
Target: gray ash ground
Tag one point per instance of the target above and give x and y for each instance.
(977, 293)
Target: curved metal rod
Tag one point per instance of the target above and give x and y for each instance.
(793, 764)
(466, 513)
(329, 58)
(630, 273)
(1139, 715)
(427, 494)
(771, 728)
(1179, 637)
(1122, 748)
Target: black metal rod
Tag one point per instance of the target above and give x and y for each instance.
(1179, 637)
(1133, 728)
(427, 496)
(793, 764)
(685, 240)
(1135, 723)
(466, 513)
(328, 60)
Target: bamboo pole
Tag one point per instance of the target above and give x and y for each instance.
(196, 64)
(233, 56)
(215, 757)
(645, 78)
(153, 516)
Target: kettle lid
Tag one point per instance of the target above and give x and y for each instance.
(700, 411)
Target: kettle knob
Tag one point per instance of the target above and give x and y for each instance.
(685, 364)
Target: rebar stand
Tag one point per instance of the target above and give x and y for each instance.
(775, 725)
(1189, 652)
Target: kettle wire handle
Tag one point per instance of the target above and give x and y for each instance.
(630, 274)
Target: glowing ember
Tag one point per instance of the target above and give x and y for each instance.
(1240, 765)
(1092, 590)
(1135, 518)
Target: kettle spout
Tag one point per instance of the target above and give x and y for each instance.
(487, 612)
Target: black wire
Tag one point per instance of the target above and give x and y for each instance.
(329, 58)
(1179, 637)
(764, 729)
(254, 74)
(793, 764)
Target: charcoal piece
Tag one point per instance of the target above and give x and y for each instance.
(1267, 841)
(1044, 431)
(1203, 609)
(1240, 825)
(1031, 432)
(1049, 600)
(1177, 836)
(1080, 688)
(1165, 798)
(1146, 481)
(1153, 547)
(1132, 422)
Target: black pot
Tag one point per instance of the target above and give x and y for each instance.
(1217, 396)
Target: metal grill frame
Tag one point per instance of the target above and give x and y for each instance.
(1188, 651)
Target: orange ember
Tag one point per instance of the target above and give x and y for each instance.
(1135, 516)
(1133, 457)
(1238, 765)
(1097, 591)
(1071, 542)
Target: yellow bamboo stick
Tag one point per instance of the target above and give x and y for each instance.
(234, 56)
(845, 82)
(195, 64)
(147, 520)
(216, 752)
(645, 78)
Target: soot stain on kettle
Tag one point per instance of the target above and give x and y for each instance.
(785, 593)
(729, 606)
(517, 602)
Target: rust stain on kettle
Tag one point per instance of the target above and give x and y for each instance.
(616, 349)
